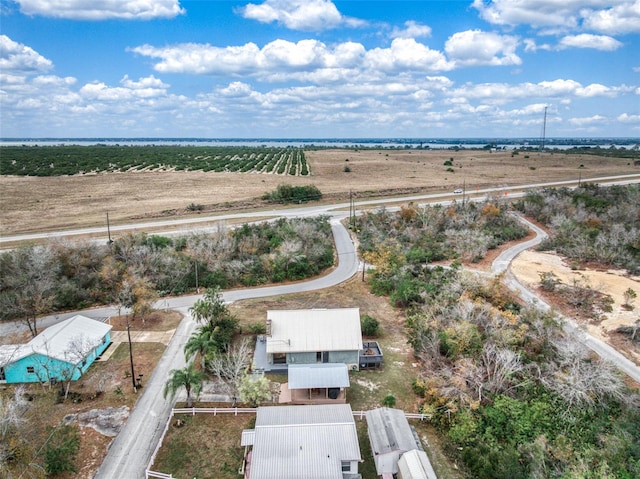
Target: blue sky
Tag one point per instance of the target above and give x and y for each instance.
(318, 69)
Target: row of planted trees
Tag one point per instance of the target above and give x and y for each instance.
(512, 392)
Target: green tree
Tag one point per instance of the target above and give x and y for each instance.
(61, 450)
(254, 390)
(212, 312)
(370, 326)
(201, 342)
(189, 378)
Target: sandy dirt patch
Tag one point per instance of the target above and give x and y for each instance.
(528, 266)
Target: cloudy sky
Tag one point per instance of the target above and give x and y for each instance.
(318, 69)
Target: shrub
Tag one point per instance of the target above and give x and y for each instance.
(293, 194)
(195, 207)
(347, 169)
(370, 326)
(450, 170)
(389, 400)
(257, 328)
(61, 450)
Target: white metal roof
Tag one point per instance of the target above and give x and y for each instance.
(55, 341)
(321, 375)
(389, 431)
(303, 442)
(313, 330)
(416, 465)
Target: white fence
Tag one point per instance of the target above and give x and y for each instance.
(235, 411)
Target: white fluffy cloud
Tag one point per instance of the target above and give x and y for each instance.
(102, 9)
(622, 18)
(603, 16)
(586, 40)
(412, 30)
(475, 48)
(281, 59)
(303, 15)
(16, 58)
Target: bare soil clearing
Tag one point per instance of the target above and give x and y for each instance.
(29, 204)
(528, 266)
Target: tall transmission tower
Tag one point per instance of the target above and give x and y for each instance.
(544, 129)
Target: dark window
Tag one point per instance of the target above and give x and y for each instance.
(31, 370)
(279, 358)
(346, 466)
(2, 376)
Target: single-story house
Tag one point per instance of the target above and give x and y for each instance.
(309, 336)
(295, 442)
(415, 464)
(323, 383)
(390, 436)
(61, 352)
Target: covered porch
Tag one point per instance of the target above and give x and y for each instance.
(316, 384)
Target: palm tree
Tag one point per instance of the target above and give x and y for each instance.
(202, 341)
(189, 378)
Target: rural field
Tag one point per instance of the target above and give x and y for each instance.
(29, 204)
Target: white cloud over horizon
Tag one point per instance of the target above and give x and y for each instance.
(102, 9)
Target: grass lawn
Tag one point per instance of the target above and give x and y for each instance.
(209, 446)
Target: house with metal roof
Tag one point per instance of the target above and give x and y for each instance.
(310, 336)
(302, 442)
(61, 352)
(323, 383)
(391, 437)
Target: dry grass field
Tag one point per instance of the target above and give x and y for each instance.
(30, 204)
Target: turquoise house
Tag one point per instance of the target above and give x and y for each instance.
(59, 353)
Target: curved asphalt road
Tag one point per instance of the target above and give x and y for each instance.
(501, 265)
(131, 450)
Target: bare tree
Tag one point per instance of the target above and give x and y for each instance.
(28, 283)
(230, 367)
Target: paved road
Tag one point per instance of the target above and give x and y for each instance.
(133, 447)
(501, 265)
(201, 221)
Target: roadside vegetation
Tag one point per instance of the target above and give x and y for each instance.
(76, 160)
(511, 392)
(138, 268)
(590, 223)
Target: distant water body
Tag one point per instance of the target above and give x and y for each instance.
(431, 143)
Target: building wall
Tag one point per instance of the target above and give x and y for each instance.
(46, 368)
(347, 357)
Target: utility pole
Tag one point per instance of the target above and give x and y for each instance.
(133, 374)
(110, 242)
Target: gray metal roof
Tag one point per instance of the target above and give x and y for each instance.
(389, 431)
(303, 442)
(312, 330)
(322, 375)
(56, 341)
(416, 465)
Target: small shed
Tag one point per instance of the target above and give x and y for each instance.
(390, 436)
(316, 384)
(61, 352)
(415, 465)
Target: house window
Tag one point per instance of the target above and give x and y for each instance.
(318, 357)
(346, 466)
(279, 358)
(31, 370)
(2, 375)
(104, 340)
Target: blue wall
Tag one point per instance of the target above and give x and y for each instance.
(46, 368)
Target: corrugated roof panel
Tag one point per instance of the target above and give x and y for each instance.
(303, 442)
(295, 415)
(55, 341)
(389, 431)
(416, 465)
(328, 375)
(311, 330)
(248, 437)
